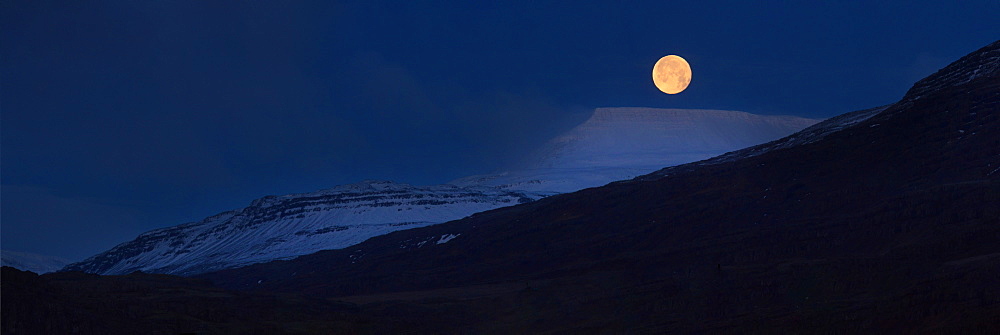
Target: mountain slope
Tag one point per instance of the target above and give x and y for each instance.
(808, 135)
(886, 224)
(628, 141)
(625, 142)
(280, 227)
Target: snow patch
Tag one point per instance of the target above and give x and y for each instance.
(447, 237)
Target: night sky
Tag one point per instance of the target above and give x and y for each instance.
(123, 116)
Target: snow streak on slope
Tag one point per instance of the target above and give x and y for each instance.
(621, 143)
(31, 262)
(282, 227)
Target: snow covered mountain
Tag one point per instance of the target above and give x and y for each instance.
(622, 143)
(614, 144)
(281, 227)
(32, 262)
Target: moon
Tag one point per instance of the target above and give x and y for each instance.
(671, 74)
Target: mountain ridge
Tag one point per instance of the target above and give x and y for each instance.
(618, 143)
(260, 233)
(279, 227)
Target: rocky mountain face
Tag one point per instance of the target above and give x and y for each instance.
(887, 223)
(615, 144)
(281, 227)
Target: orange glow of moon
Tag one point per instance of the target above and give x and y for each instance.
(671, 74)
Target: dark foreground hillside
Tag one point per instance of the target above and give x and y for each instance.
(138, 303)
(889, 225)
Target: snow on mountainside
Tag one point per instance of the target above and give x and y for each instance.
(614, 144)
(621, 143)
(32, 262)
(282, 227)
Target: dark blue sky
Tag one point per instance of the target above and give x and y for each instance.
(123, 116)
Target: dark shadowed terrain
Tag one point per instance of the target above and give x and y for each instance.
(890, 225)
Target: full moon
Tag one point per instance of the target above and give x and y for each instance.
(671, 74)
